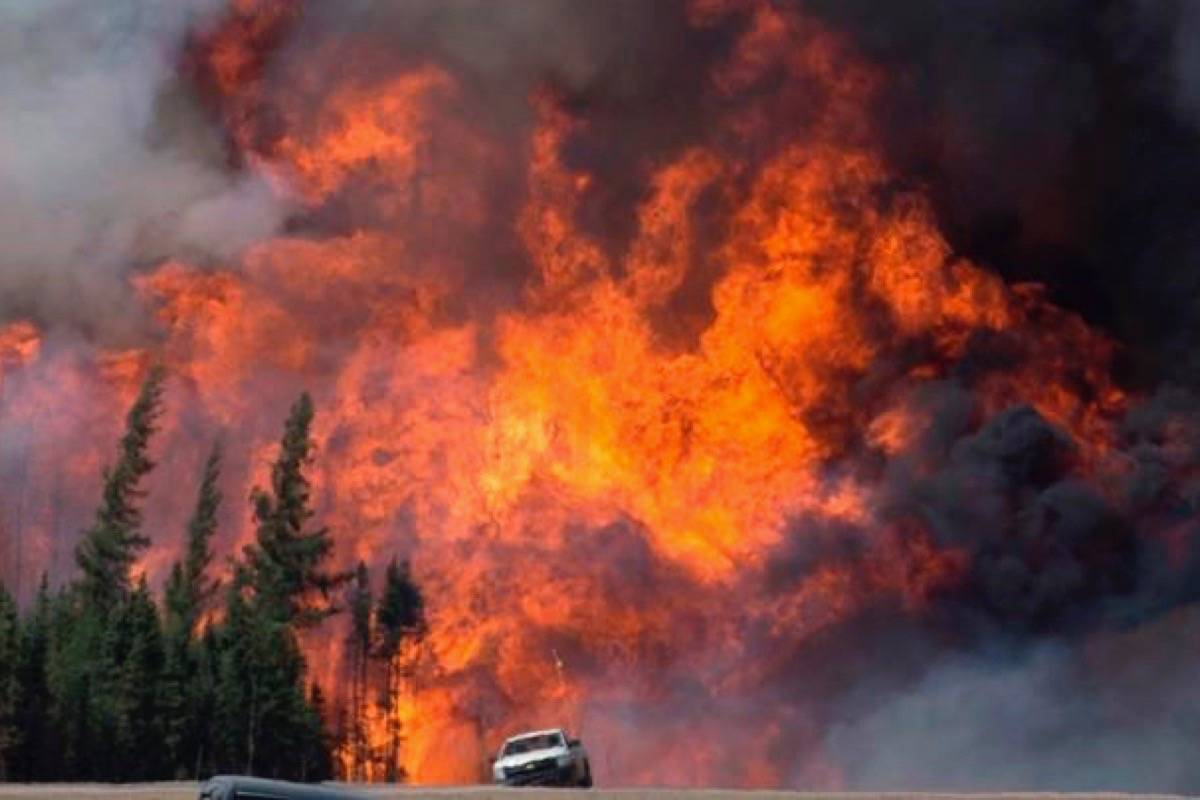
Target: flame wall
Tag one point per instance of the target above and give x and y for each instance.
(702, 438)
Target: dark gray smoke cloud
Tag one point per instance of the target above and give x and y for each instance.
(1065, 659)
(1057, 140)
(105, 163)
(1058, 143)
(1185, 49)
(620, 48)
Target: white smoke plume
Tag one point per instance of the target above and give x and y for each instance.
(106, 163)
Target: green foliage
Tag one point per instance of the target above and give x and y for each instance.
(401, 613)
(190, 589)
(264, 720)
(103, 648)
(100, 682)
(78, 658)
(135, 694)
(265, 716)
(286, 558)
(10, 687)
(103, 670)
(113, 542)
(35, 752)
(187, 678)
(316, 762)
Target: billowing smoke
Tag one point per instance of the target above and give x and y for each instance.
(686, 348)
(106, 163)
(1058, 142)
(1116, 713)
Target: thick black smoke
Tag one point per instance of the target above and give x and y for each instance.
(1057, 140)
(1059, 143)
(1064, 659)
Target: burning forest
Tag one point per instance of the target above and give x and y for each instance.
(779, 394)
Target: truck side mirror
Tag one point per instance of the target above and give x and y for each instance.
(573, 743)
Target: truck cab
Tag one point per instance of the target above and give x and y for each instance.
(542, 758)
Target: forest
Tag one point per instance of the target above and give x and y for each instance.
(108, 678)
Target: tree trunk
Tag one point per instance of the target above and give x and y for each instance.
(251, 732)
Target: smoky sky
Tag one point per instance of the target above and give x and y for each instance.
(1117, 713)
(1064, 661)
(1059, 143)
(105, 163)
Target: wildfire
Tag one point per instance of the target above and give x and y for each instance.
(19, 344)
(592, 498)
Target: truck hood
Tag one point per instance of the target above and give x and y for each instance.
(520, 759)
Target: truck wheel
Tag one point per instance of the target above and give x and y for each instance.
(586, 781)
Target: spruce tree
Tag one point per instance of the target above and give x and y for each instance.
(203, 695)
(190, 589)
(286, 558)
(36, 749)
(259, 668)
(112, 544)
(400, 618)
(233, 713)
(101, 623)
(77, 660)
(359, 646)
(10, 688)
(265, 715)
(317, 761)
(186, 692)
(138, 722)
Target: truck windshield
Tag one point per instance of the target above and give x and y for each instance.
(528, 744)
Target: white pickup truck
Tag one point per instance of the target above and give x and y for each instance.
(542, 758)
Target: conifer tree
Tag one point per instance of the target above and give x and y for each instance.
(359, 645)
(101, 622)
(96, 683)
(77, 658)
(114, 540)
(190, 589)
(10, 688)
(204, 707)
(138, 728)
(265, 714)
(317, 762)
(234, 714)
(186, 688)
(34, 752)
(400, 618)
(286, 558)
(259, 667)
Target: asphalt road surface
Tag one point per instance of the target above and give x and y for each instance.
(188, 791)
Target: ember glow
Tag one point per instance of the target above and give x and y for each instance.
(649, 450)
